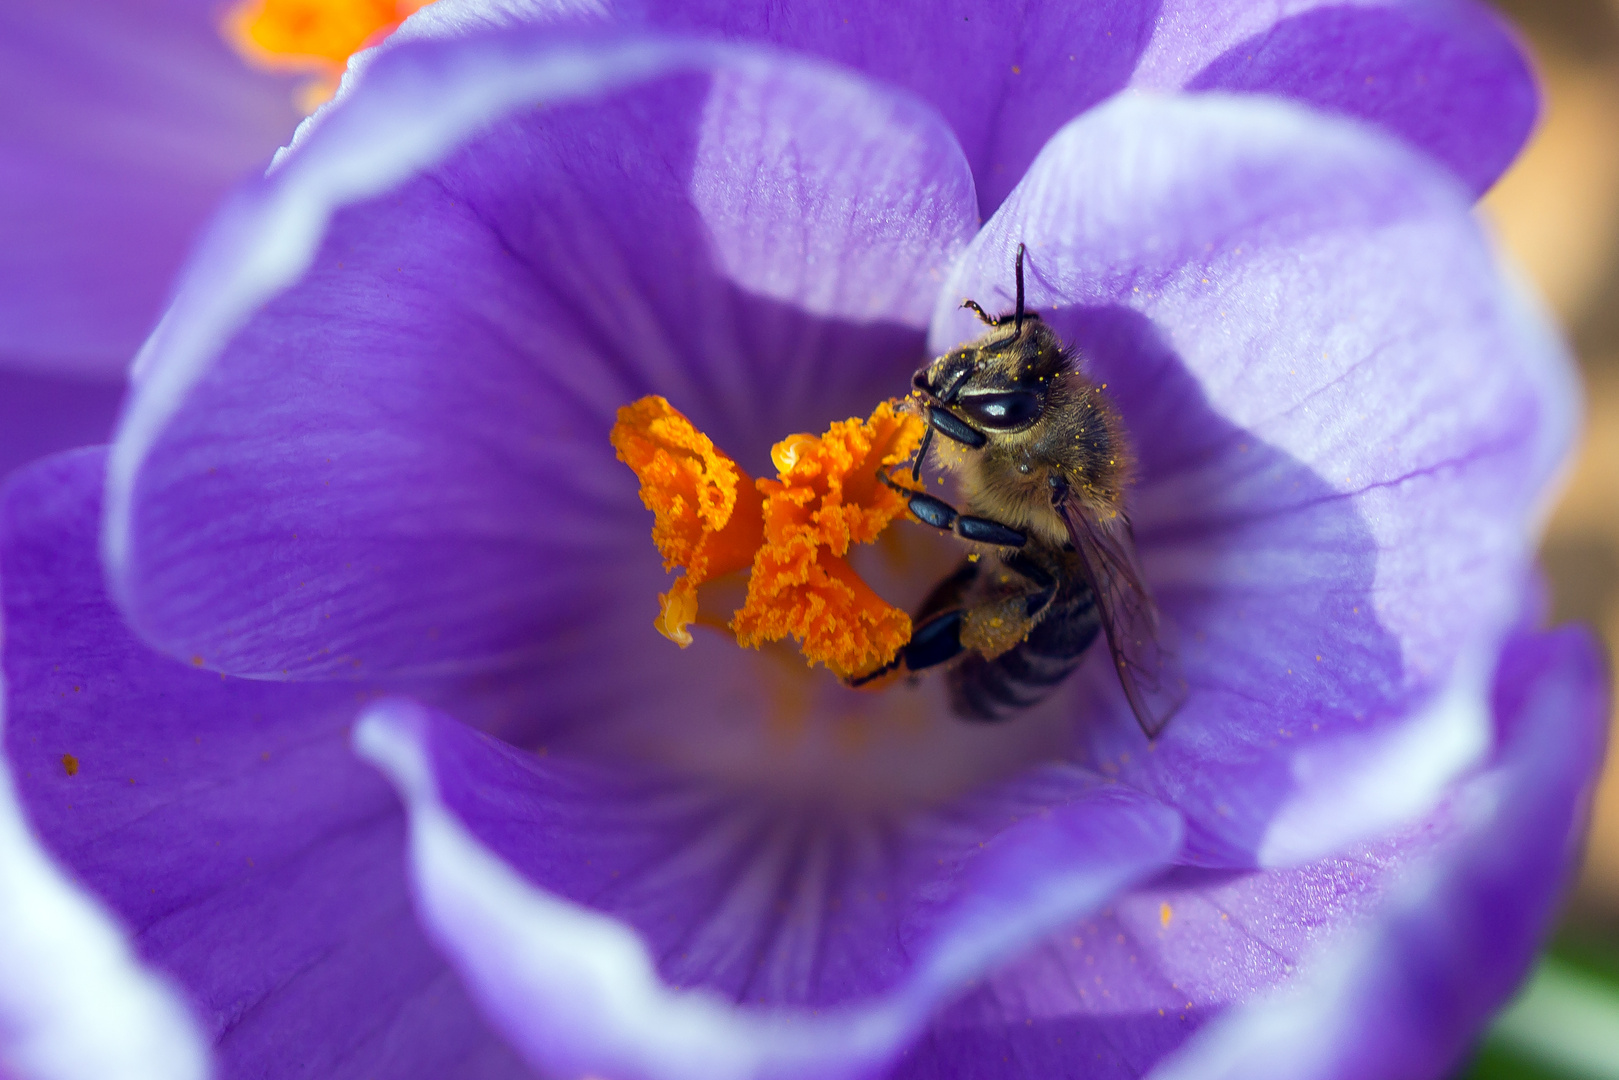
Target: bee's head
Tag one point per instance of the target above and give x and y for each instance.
(1000, 382)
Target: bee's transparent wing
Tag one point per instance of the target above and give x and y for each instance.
(1145, 663)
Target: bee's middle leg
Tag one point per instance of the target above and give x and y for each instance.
(1045, 585)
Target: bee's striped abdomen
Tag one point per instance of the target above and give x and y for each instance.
(1026, 674)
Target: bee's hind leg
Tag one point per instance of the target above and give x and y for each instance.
(937, 641)
(947, 613)
(934, 642)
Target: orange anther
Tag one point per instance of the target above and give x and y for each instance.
(794, 531)
(706, 510)
(827, 498)
(317, 36)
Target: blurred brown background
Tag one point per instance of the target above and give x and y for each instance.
(1557, 213)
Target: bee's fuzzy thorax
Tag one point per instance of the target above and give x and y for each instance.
(1077, 434)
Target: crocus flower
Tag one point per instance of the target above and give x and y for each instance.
(365, 471)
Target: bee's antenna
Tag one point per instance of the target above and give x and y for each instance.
(1017, 325)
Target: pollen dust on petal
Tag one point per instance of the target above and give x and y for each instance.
(826, 498)
(315, 36)
(707, 511)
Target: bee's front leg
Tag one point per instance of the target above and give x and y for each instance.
(932, 510)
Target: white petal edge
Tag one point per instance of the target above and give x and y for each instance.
(1530, 804)
(594, 972)
(75, 1002)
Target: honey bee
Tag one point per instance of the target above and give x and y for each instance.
(1044, 465)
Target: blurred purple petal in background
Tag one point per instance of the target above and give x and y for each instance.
(122, 125)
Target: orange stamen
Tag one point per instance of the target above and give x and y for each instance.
(317, 36)
(707, 512)
(827, 498)
(795, 531)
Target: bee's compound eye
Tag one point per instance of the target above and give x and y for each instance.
(1002, 412)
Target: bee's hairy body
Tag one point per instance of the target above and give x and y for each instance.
(1043, 465)
(1024, 632)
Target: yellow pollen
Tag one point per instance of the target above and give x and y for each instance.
(316, 36)
(794, 531)
(1164, 913)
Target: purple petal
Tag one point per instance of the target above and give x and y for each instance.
(41, 414)
(121, 126)
(1122, 988)
(401, 464)
(622, 924)
(1407, 994)
(1005, 79)
(1344, 420)
(75, 1004)
(225, 822)
(1446, 75)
